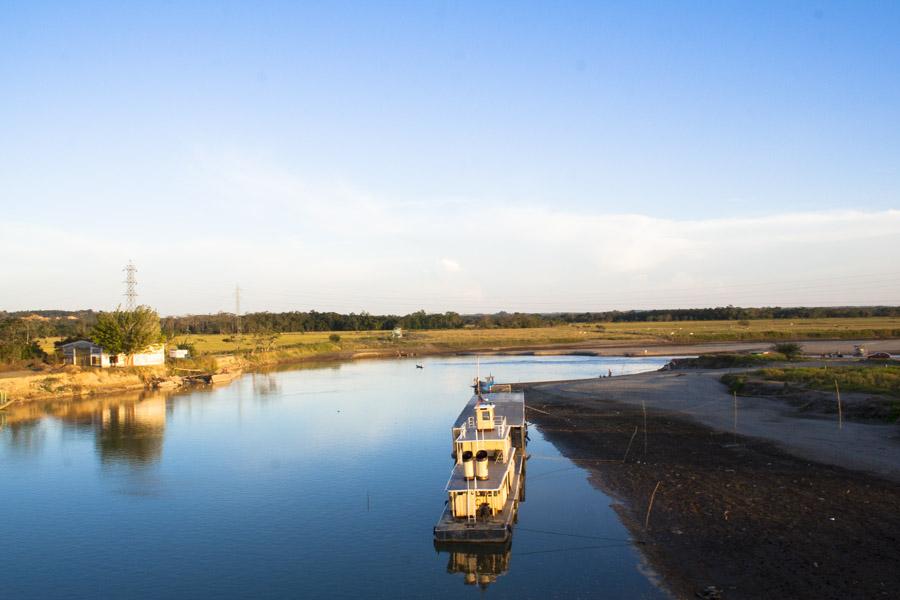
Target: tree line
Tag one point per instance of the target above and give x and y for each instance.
(331, 321)
(18, 330)
(730, 313)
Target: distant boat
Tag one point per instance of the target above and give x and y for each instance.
(483, 385)
(419, 367)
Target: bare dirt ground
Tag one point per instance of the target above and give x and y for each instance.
(789, 507)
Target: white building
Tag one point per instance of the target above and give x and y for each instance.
(85, 353)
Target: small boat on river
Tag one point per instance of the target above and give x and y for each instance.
(487, 480)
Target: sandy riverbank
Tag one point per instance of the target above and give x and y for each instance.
(71, 382)
(790, 507)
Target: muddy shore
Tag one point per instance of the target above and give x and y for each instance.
(733, 515)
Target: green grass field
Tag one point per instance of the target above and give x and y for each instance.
(638, 333)
(765, 329)
(874, 379)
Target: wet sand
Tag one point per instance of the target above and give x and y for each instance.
(752, 515)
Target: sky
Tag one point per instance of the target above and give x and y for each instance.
(465, 156)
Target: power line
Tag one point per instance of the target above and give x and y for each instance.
(237, 310)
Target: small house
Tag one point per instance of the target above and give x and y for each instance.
(178, 353)
(84, 353)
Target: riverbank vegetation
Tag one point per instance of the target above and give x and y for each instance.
(30, 339)
(728, 360)
(869, 379)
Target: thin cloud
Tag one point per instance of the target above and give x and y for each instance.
(450, 265)
(334, 246)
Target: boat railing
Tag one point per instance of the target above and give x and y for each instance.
(500, 427)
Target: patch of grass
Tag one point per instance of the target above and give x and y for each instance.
(764, 329)
(728, 361)
(55, 385)
(881, 379)
(734, 381)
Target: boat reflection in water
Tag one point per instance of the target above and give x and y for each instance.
(479, 564)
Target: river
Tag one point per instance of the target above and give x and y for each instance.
(321, 481)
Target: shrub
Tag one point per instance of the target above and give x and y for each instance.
(735, 383)
(335, 338)
(789, 349)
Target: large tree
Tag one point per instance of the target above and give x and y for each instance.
(127, 331)
(17, 340)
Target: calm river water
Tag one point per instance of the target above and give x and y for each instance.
(312, 482)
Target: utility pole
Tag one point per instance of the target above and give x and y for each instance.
(130, 285)
(237, 310)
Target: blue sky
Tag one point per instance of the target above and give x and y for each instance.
(450, 156)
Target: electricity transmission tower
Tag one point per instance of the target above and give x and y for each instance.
(130, 285)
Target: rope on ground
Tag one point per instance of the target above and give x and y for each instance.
(567, 458)
(575, 535)
(650, 507)
(624, 458)
(615, 545)
(553, 472)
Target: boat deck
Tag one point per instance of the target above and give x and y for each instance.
(496, 475)
(490, 530)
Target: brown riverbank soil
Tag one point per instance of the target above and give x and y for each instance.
(731, 512)
(73, 382)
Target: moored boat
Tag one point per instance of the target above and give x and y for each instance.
(487, 480)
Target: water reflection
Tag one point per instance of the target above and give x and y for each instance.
(264, 484)
(479, 564)
(265, 385)
(25, 438)
(131, 432)
(126, 428)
